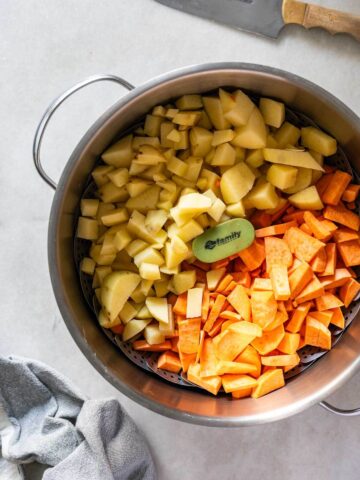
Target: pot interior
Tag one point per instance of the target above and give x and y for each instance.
(151, 391)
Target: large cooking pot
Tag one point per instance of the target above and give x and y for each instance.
(308, 388)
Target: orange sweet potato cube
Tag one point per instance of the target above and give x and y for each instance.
(290, 343)
(317, 335)
(268, 382)
(169, 361)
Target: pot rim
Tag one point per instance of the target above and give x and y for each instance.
(59, 290)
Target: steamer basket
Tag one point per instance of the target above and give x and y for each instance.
(163, 392)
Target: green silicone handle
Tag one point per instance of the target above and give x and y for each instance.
(223, 240)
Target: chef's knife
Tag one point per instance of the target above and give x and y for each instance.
(268, 17)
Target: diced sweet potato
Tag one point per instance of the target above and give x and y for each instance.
(169, 361)
(340, 214)
(242, 393)
(318, 229)
(336, 187)
(349, 291)
(330, 250)
(280, 282)
(277, 252)
(340, 277)
(208, 359)
(239, 299)
(189, 335)
(180, 306)
(254, 255)
(143, 346)
(350, 252)
(312, 290)
(250, 355)
(214, 312)
(317, 335)
(299, 278)
(298, 318)
(280, 319)
(289, 344)
(233, 383)
(269, 340)
(323, 317)
(235, 368)
(229, 344)
(344, 234)
(262, 284)
(242, 278)
(201, 346)
(318, 263)
(246, 328)
(272, 230)
(263, 308)
(351, 193)
(280, 360)
(268, 382)
(211, 384)
(303, 246)
(337, 318)
(186, 360)
(327, 301)
(306, 229)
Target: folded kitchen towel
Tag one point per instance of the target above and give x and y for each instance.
(44, 419)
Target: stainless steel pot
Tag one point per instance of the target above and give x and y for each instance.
(307, 389)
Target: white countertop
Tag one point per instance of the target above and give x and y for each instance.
(46, 47)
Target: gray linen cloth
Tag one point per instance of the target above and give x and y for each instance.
(44, 418)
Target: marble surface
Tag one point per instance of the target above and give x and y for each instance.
(48, 45)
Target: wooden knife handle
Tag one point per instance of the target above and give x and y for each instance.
(310, 16)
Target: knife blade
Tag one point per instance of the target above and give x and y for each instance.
(268, 17)
(263, 17)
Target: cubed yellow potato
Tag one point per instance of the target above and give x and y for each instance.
(236, 210)
(263, 196)
(149, 156)
(183, 141)
(200, 140)
(152, 125)
(217, 209)
(272, 111)
(319, 141)
(148, 255)
(316, 175)
(174, 136)
(161, 287)
(108, 246)
(119, 177)
(105, 322)
(115, 216)
(227, 100)
(138, 296)
(271, 142)
(146, 287)
(155, 220)
(143, 313)
(303, 180)
(287, 134)
(109, 193)
(128, 312)
(137, 186)
(165, 129)
(204, 121)
(87, 265)
(146, 201)
(139, 141)
(171, 112)
(189, 230)
(194, 302)
(120, 154)
(307, 199)
(122, 238)
(135, 247)
(101, 273)
(115, 291)
(282, 176)
(134, 327)
(253, 134)
(173, 258)
(214, 111)
(137, 169)
(87, 229)
(189, 102)
(186, 118)
(295, 158)
(158, 307)
(222, 136)
(89, 207)
(159, 111)
(149, 271)
(236, 183)
(152, 334)
(213, 277)
(182, 182)
(194, 204)
(177, 166)
(224, 155)
(255, 158)
(194, 165)
(240, 114)
(212, 179)
(137, 227)
(183, 281)
(100, 174)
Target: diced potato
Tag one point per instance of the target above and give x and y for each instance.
(115, 291)
(253, 134)
(272, 111)
(174, 136)
(222, 136)
(134, 327)
(158, 307)
(271, 142)
(101, 273)
(153, 141)
(307, 199)
(183, 281)
(255, 158)
(161, 288)
(214, 110)
(146, 287)
(135, 247)
(149, 255)
(263, 196)
(105, 322)
(118, 215)
(295, 158)
(137, 169)
(152, 125)
(217, 209)
(155, 220)
(146, 201)
(148, 155)
(143, 313)
(224, 155)
(137, 186)
(149, 271)
(109, 193)
(240, 153)
(122, 239)
(318, 141)
(194, 204)
(171, 112)
(108, 246)
(165, 129)
(152, 334)
(173, 257)
(89, 207)
(212, 179)
(316, 175)
(159, 111)
(87, 265)
(189, 230)
(239, 113)
(282, 176)
(236, 183)
(213, 277)
(189, 102)
(186, 118)
(137, 227)
(287, 134)
(194, 165)
(87, 229)
(194, 302)
(138, 296)
(119, 177)
(200, 140)
(120, 154)
(303, 180)
(182, 182)
(128, 312)
(100, 174)
(236, 210)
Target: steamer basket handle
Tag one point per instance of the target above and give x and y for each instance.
(339, 411)
(52, 109)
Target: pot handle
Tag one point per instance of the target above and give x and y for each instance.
(52, 109)
(339, 411)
